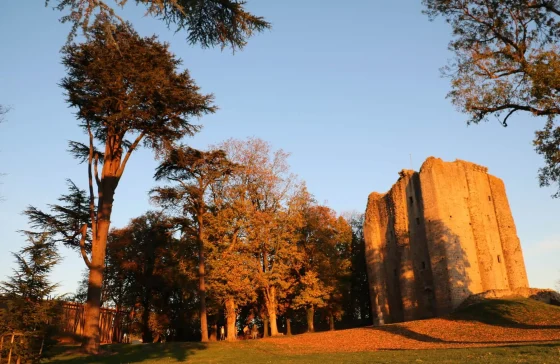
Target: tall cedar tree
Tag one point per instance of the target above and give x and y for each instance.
(264, 188)
(507, 60)
(193, 172)
(28, 310)
(123, 87)
(208, 22)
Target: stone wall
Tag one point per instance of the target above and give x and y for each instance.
(438, 236)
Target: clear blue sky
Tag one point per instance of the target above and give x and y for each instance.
(350, 89)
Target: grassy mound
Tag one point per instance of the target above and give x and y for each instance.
(514, 312)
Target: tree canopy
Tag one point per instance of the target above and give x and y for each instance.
(141, 92)
(264, 246)
(207, 22)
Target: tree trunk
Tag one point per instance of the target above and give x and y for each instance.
(231, 316)
(331, 321)
(379, 320)
(92, 335)
(201, 280)
(106, 191)
(273, 324)
(213, 335)
(310, 314)
(271, 307)
(265, 326)
(147, 336)
(288, 327)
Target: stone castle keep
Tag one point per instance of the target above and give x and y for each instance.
(438, 236)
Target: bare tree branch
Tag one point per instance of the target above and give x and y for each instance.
(90, 181)
(129, 152)
(83, 246)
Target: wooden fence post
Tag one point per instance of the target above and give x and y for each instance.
(21, 337)
(11, 347)
(18, 361)
(42, 344)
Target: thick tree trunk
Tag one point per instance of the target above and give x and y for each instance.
(213, 334)
(231, 316)
(273, 324)
(288, 327)
(265, 326)
(109, 182)
(202, 280)
(92, 336)
(310, 314)
(271, 307)
(331, 321)
(147, 336)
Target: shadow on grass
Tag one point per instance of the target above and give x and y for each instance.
(405, 332)
(511, 314)
(523, 347)
(409, 334)
(127, 353)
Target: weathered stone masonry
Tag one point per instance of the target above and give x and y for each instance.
(438, 236)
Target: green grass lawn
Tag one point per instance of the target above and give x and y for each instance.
(265, 352)
(505, 314)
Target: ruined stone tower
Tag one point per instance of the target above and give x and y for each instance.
(438, 236)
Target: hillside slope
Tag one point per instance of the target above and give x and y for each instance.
(487, 323)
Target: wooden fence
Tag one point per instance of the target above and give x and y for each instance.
(70, 321)
(11, 345)
(113, 324)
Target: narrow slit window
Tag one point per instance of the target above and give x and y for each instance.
(489, 198)
(417, 221)
(411, 200)
(395, 272)
(499, 259)
(423, 265)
